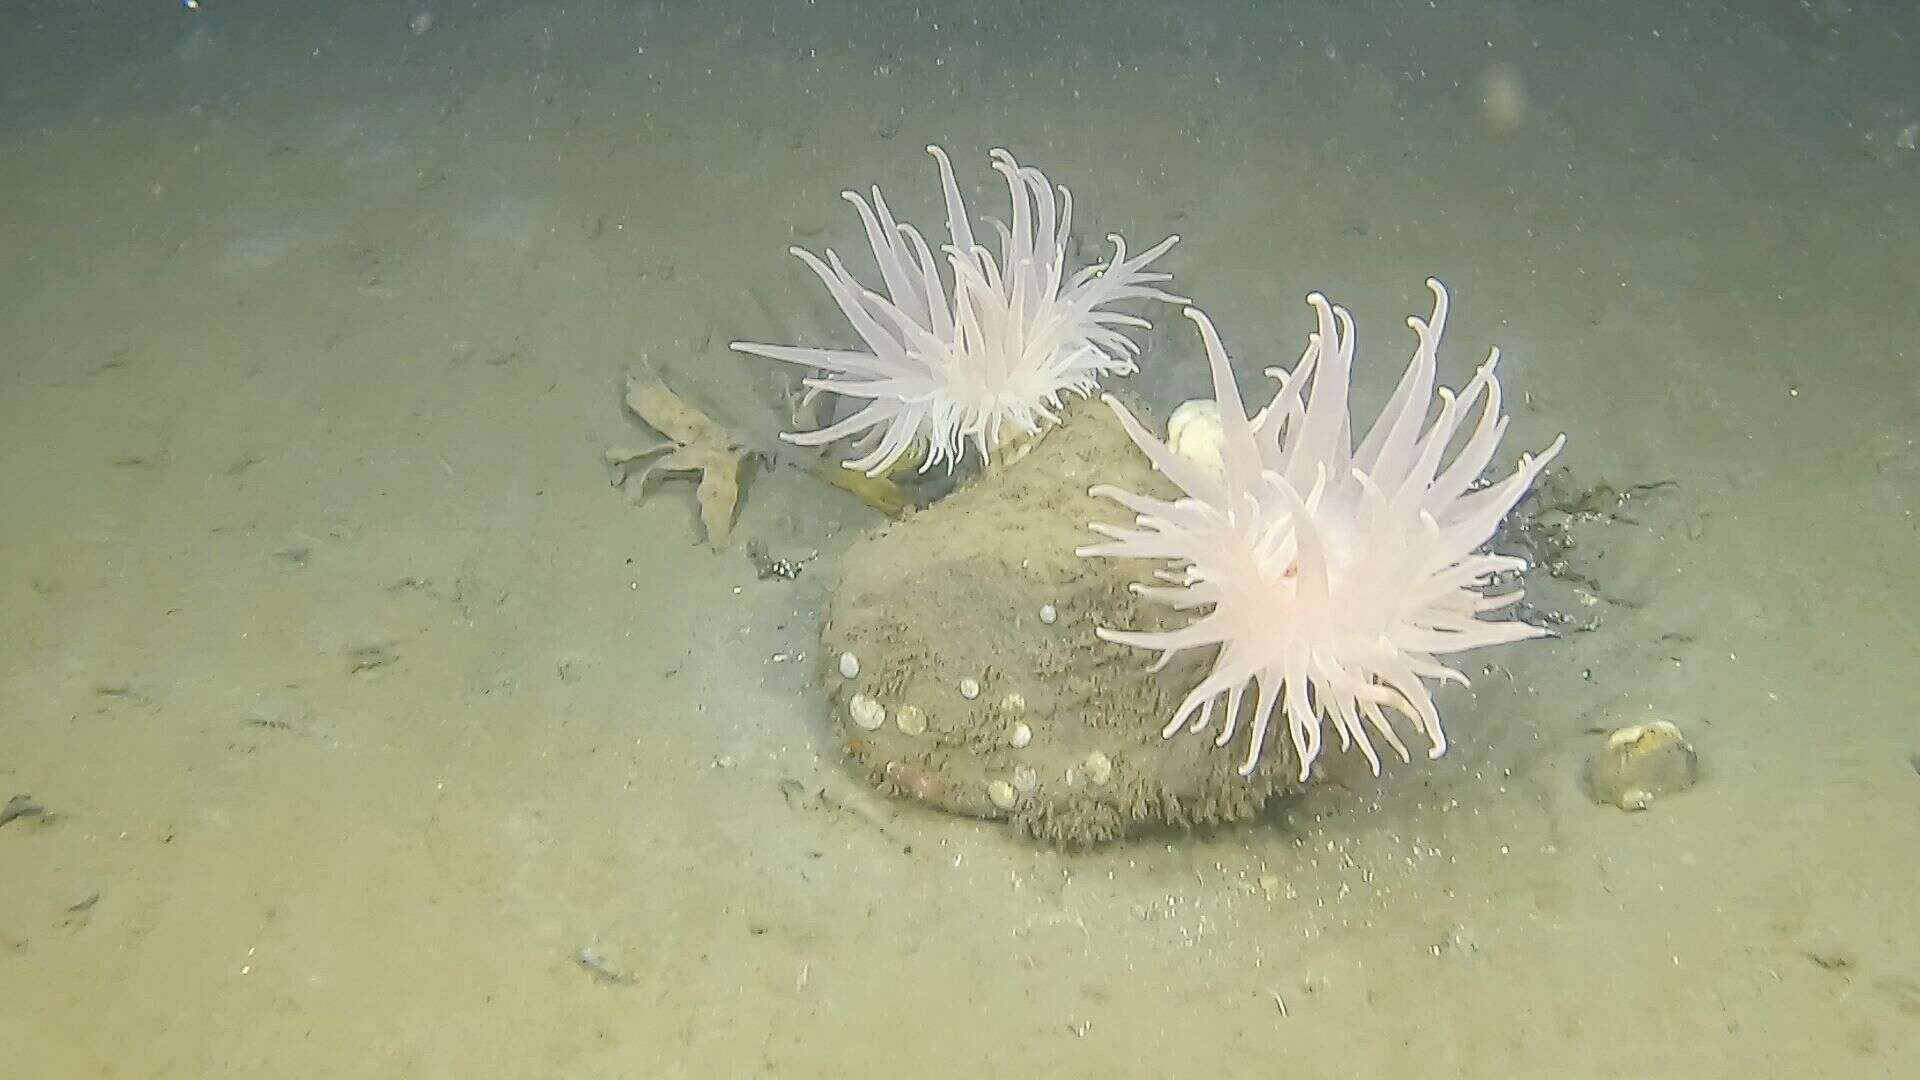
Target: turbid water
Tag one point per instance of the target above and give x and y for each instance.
(374, 734)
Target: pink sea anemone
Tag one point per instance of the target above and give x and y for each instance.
(1330, 578)
(985, 358)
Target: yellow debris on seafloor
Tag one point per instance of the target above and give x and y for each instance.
(696, 444)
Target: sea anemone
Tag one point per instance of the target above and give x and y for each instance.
(1331, 578)
(991, 361)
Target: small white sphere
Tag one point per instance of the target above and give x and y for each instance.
(1020, 736)
(1049, 614)
(969, 688)
(849, 666)
(1194, 432)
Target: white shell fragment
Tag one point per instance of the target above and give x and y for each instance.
(849, 666)
(866, 712)
(1002, 794)
(1020, 736)
(1026, 779)
(969, 688)
(1049, 614)
(1641, 763)
(910, 719)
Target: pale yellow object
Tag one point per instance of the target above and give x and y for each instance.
(696, 444)
(879, 492)
(1195, 432)
(1640, 763)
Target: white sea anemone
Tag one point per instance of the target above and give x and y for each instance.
(1328, 576)
(992, 360)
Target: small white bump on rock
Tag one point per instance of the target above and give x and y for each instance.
(1020, 736)
(1049, 614)
(1002, 794)
(866, 712)
(849, 666)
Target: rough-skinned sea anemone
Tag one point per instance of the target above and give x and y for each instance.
(993, 358)
(1330, 578)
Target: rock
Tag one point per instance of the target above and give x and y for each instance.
(1640, 763)
(952, 592)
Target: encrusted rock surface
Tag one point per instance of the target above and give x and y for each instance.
(955, 593)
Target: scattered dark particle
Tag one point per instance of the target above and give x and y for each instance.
(410, 584)
(596, 965)
(116, 690)
(79, 914)
(1830, 959)
(503, 684)
(770, 568)
(22, 806)
(271, 723)
(294, 556)
(368, 657)
(242, 465)
(133, 461)
(1914, 760)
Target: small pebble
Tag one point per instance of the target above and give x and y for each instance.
(1002, 794)
(969, 688)
(866, 712)
(1020, 736)
(910, 719)
(849, 666)
(1098, 768)
(1049, 614)
(1640, 763)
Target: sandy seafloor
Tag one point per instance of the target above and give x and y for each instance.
(311, 335)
